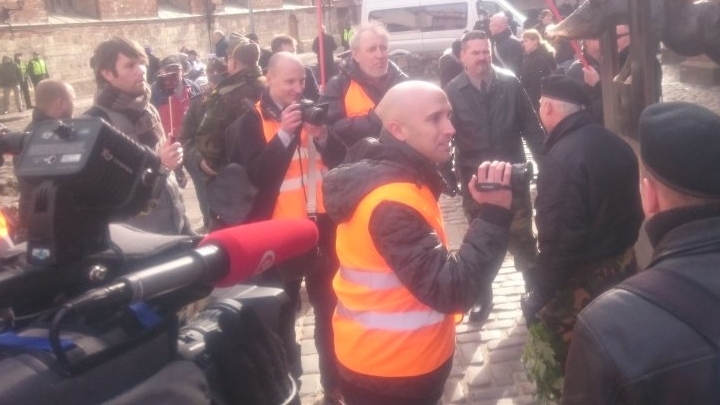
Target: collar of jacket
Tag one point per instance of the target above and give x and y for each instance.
(251, 73)
(268, 106)
(392, 76)
(681, 227)
(501, 36)
(463, 80)
(404, 154)
(568, 125)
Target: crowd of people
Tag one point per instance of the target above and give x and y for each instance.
(385, 288)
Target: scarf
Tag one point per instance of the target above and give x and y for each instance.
(145, 119)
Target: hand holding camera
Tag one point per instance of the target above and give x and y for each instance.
(291, 119)
(491, 184)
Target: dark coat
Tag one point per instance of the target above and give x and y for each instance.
(627, 350)
(536, 65)
(330, 46)
(447, 282)
(576, 72)
(346, 131)
(491, 125)
(588, 204)
(10, 75)
(507, 51)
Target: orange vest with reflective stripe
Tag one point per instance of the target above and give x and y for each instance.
(291, 202)
(357, 102)
(5, 242)
(380, 328)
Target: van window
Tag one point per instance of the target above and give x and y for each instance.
(423, 18)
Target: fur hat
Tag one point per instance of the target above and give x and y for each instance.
(680, 146)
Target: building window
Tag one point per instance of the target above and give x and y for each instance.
(80, 8)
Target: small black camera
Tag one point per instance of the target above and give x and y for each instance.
(520, 177)
(313, 113)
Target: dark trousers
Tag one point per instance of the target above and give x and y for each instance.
(25, 89)
(318, 274)
(200, 180)
(523, 245)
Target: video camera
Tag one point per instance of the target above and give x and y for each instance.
(66, 334)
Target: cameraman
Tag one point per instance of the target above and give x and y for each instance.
(171, 95)
(275, 146)
(588, 217)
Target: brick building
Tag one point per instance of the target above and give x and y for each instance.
(66, 32)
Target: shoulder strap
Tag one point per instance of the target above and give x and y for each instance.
(686, 299)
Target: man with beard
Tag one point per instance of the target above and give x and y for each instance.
(123, 99)
(492, 115)
(353, 93)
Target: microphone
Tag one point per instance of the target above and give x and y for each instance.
(224, 257)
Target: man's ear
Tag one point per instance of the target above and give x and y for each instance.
(397, 130)
(107, 74)
(650, 197)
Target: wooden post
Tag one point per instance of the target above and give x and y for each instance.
(645, 69)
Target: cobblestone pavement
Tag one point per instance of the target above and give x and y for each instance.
(487, 368)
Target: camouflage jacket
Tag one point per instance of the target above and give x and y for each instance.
(229, 101)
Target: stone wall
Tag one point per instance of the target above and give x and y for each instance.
(67, 48)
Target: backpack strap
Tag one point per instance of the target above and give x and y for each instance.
(686, 299)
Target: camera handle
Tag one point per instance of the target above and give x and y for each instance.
(487, 187)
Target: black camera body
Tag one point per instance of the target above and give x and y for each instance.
(313, 113)
(521, 175)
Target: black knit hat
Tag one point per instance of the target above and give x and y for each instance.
(680, 146)
(565, 88)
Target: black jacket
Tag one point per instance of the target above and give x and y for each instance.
(626, 350)
(507, 51)
(536, 65)
(596, 103)
(491, 125)
(588, 204)
(447, 282)
(346, 131)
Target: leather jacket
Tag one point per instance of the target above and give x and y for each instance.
(627, 350)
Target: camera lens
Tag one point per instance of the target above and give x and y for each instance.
(522, 173)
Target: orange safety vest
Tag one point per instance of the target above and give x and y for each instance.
(5, 242)
(381, 329)
(291, 202)
(357, 102)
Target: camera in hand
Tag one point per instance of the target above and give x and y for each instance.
(313, 113)
(520, 177)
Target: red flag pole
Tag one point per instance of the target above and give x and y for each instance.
(551, 5)
(321, 44)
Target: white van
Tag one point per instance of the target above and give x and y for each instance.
(430, 26)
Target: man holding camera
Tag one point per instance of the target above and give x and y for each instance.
(171, 95)
(123, 99)
(276, 144)
(492, 115)
(588, 215)
(398, 286)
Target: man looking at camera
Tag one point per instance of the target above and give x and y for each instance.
(277, 148)
(123, 99)
(171, 95)
(398, 286)
(492, 115)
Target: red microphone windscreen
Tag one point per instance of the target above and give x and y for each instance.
(253, 248)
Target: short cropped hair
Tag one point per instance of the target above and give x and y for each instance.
(279, 40)
(48, 91)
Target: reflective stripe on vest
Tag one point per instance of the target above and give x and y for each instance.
(5, 242)
(381, 329)
(291, 202)
(357, 102)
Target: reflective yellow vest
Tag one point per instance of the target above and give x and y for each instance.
(380, 328)
(357, 102)
(292, 203)
(5, 242)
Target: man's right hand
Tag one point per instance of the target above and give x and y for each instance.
(492, 173)
(291, 119)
